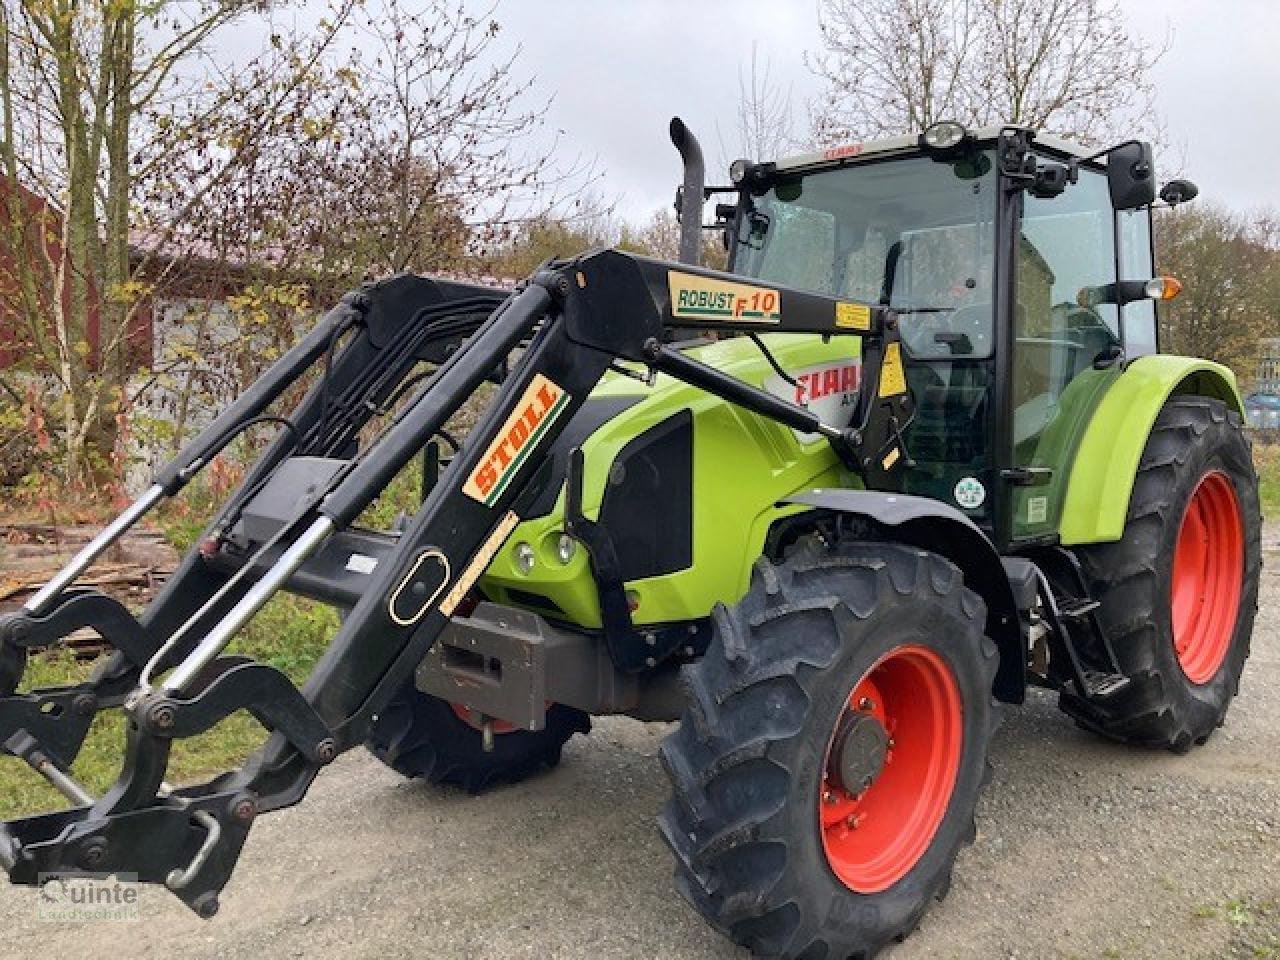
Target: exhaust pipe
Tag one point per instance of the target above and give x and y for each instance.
(690, 195)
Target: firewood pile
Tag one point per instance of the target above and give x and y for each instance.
(132, 570)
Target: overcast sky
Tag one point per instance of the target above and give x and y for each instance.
(619, 69)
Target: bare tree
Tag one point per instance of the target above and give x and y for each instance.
(415, 152)
(76, 79)
(1072, 67)
(766, 119)
(280, 177)
(893, 66)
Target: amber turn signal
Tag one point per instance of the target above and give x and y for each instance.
(1163, 288)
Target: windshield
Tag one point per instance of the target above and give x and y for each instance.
(912, 233)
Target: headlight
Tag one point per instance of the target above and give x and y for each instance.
(566, 548)
(524, 558)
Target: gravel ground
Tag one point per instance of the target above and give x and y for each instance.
(1084, 849)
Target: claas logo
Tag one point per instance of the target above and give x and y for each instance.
(540, 404)
(825, 383)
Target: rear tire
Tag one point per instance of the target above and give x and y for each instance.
(802, 656)
(1178, 592)
(419, 735)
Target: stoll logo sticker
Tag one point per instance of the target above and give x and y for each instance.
(88, 897)
(542, 402)
(970, 493)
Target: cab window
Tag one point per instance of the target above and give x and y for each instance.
(1138, 319)
(911, 233)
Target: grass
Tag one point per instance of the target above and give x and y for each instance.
(1266, 457)
(289, 633)
(1251, 926)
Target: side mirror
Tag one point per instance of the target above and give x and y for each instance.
(1131, 175)
(1179, 191)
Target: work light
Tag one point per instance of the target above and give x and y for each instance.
(943, 136)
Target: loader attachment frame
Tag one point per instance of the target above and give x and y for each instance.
(575, 320)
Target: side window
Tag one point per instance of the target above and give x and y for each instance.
(1067, 244)
(1139, 317)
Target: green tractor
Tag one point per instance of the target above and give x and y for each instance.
(913, 452)
(1091, 526)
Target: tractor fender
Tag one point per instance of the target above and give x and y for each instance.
(933, 525)
(1106, 462)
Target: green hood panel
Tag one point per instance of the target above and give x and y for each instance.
(743, 465)
(1106, 462)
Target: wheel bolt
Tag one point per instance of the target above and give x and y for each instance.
(326, 750)
(93, 853)
(244, 809)
(851, 821)
(866, 704)
(828, 796)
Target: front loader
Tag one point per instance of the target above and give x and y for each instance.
(914, 451)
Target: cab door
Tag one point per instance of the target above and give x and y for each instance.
(1066, 350)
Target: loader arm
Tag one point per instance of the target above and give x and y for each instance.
(169, 674)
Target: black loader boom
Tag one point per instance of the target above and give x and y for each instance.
(289, 526)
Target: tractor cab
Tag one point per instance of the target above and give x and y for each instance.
(1004, 255)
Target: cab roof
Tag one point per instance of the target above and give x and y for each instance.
(850, 152)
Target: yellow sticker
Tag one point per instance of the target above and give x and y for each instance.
(853, 316)
(893, 380)
(702, 298)
(890, 458)
(542, 402)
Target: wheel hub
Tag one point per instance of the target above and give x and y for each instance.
(890, 768)
(1208, 572)
(858, 752)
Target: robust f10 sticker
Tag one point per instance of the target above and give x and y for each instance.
(540, 405)
(702, 298)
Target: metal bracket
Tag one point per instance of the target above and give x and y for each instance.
(628, 652)
(262, 690)
(58, 718)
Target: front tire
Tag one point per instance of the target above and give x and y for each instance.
(419, 735)
(826, 770)
(1178, 592)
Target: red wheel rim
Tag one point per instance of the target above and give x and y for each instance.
(464, 714)
(1208, 571)
(873, 835)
